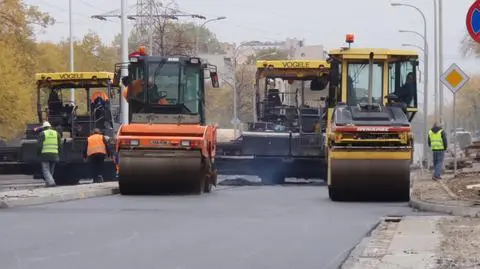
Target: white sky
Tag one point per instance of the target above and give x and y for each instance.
(374, 22)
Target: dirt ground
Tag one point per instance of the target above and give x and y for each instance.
(460, 247)
(426, 189)
(459, 187)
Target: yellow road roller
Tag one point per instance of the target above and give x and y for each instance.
(369, 139)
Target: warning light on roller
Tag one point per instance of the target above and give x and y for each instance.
(350, 38)
(142, 50)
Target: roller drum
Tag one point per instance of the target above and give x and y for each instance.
(369, 179)
(142, 169)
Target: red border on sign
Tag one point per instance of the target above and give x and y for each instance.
(475, 5)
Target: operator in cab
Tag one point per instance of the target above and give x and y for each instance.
(99, 94)
(49, 147)
(407, 91)
(95, 152)
(137, 88)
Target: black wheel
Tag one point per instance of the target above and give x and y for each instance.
(208, 185)
(402, 194)
(66, 175)
(335, 194)
(273, 179)
(199, 186)
(125, 188)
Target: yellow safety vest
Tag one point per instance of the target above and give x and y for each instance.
(50, 144)
(436, 141)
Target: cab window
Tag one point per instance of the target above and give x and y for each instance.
(192, 88)
(403, 81)
(137, 78)
(163, 82)
(357, 83)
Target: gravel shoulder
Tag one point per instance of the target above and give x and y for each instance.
(459, 187)
(460, 247)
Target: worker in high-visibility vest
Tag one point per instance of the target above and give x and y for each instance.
(98, 94)
(437, 141)
(49, 147)
(95, 151)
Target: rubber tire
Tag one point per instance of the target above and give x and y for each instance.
(125, 188)
(403, 194)
(208, 186)
(273, 179)
(335, 194)
(199, 186)
(65, 180)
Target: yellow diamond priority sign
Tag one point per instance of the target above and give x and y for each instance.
(454, 78)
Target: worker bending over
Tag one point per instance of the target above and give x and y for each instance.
(95, 151)
(49, 146)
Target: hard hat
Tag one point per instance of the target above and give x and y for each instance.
(46, 124)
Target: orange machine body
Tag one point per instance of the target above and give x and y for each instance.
(169, 137)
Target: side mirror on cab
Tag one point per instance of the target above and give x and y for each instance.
(116, 78)
(214, 78)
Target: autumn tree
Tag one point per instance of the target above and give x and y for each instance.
(171, 35)
(468, 99)
(268, 54)
(18, 63)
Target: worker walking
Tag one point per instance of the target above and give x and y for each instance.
(49, 147)
(96, 150)
(437, 141)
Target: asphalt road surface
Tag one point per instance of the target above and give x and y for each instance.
(239, 227)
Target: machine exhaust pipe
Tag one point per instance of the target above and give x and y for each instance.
(370, 78)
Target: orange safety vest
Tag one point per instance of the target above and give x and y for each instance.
(96, 145)
(100, 94)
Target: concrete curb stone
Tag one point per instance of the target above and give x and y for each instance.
(82, 193)
(461, 211)
(459, 207)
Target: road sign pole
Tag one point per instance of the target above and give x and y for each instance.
(454, 134)
(454, 78)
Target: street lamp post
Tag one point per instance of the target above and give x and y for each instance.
(234, 65)
(425, 92)
(124, 71)
(72, 91)
(440, 59)
(254, 97)
(200, 28)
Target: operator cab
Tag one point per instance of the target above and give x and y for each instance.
(76, 118)
(282, 107)
(388, 82)
(167, 86)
